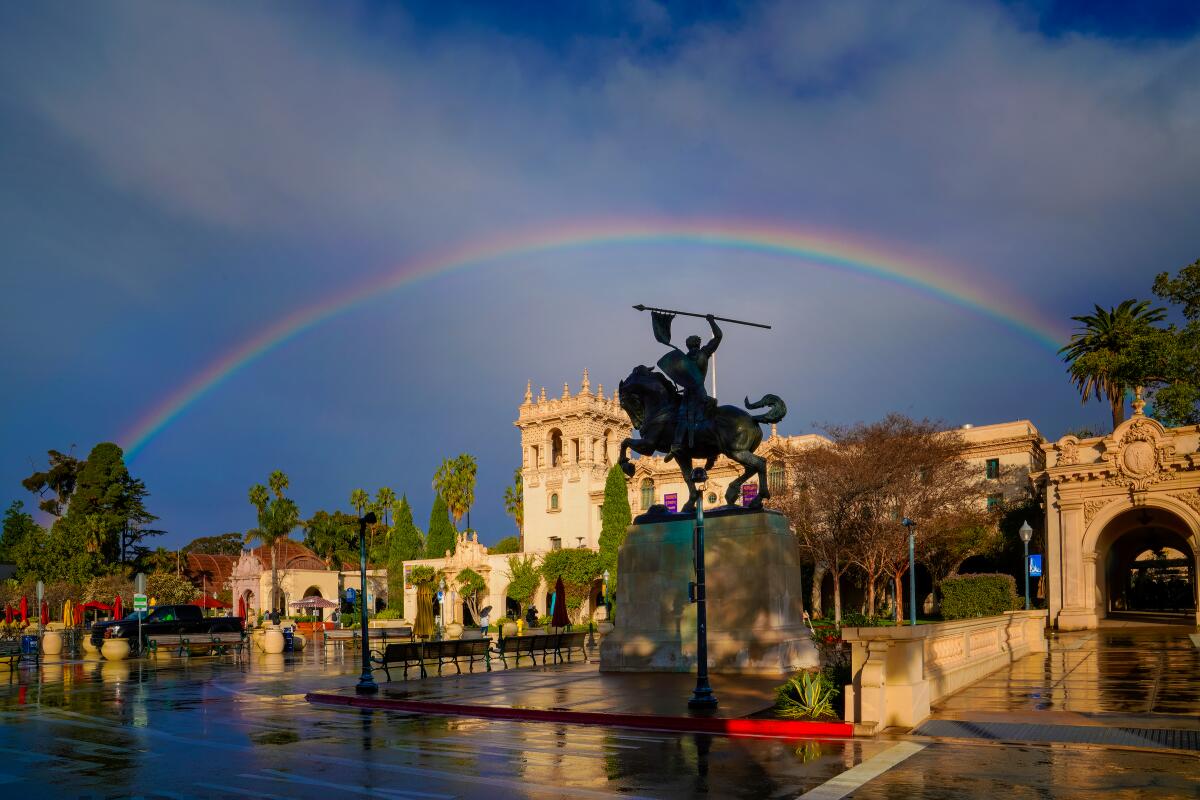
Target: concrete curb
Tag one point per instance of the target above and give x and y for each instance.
(768, 728)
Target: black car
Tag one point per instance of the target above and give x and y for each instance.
(164, 621)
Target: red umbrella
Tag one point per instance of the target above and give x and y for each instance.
(78, 614)
(117, 608)
(242, 607)
(560, 618)
(210, 602)
(24, 609)
(45, 613)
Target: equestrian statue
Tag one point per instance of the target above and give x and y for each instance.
(675, 414)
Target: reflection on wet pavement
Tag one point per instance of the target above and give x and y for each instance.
(1151, 675)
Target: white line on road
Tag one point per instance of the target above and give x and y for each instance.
(872, 768)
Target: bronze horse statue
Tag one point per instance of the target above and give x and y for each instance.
(652, 403)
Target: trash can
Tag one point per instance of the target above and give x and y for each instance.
(29, 645)
(287, 640)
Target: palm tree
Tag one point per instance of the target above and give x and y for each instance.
(514, 504)
(384, 499)
(328, 538)
(1096, 355)
(455, 482)
(276, 519)
(359, 500)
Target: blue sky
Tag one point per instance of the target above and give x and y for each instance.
(173, 177)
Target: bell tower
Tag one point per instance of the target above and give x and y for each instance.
(568, 445)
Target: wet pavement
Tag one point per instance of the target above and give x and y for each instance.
(212, 727)
(1134, 676)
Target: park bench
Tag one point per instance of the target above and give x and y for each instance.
(452, 650)
(548, 644)
(384, 635)
(204, 644)
(10, 651)
(448, 651)
(407, 654)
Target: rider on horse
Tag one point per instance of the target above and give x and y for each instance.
(688, 370)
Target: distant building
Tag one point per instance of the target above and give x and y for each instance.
(301, 573)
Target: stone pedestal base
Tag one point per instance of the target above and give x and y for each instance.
(755, 608)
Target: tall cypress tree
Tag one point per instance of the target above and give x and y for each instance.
(442, 535)
(404, 544)
(614, 520)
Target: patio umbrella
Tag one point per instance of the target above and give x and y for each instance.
(314, 602)
(24, 609)
(78, 615)
(424, 623)
(45, 612)
(117, 608)
(67, 612)
(242, 607)
(210, 602)
(560, 618)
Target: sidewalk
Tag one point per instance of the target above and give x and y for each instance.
(579, 693)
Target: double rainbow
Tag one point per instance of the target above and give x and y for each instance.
(830, 250)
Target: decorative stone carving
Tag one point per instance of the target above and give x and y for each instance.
(1191, 498)
(1068, 451)
(1140, 459)
(1092, 507)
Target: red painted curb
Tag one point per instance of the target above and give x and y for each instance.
(775, 728)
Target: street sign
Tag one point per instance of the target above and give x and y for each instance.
(41, 591)
(671, 501)
(140, 602)
(139, 583)
(351, 595)
(1035, 566)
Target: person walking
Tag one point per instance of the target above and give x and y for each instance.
(484, 621)
(531, 616)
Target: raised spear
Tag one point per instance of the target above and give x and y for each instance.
(641, 307)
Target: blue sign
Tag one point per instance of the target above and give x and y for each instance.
(350, 595)
(1035, 566)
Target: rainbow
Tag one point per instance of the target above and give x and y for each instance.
(831, 250)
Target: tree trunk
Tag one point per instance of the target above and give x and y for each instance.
(815, 597)
(274, 579)
(1117, 402)
(899, 596)
(870, 612)
(837, 599)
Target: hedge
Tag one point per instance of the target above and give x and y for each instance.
(986, 595)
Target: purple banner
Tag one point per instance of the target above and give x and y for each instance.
(671, 501)
(749, 492)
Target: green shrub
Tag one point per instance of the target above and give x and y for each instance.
(807, 695)
(544, 620)
(854, 620)
(389, 613)
(985, 595)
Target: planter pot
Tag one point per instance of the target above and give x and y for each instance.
(52, 643)
(272, 641)
(89, 649)
(509, 629)
(604, 628)
(454, 630)
(299, 641)
(115, 649)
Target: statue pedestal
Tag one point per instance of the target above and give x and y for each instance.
(755, 609)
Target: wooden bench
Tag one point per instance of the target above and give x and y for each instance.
(384, 635)
(408, 654)
(548, 644)
(202, 644)
(10, 651)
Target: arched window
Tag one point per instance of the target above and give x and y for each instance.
(647, 493)
(556, 448)
(775, 476)
(554, 502)
(711, 499)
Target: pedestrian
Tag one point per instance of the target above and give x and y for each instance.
(484, 621)
(531, 616)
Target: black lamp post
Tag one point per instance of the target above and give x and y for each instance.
(1026, 534)
(702, 696)
(912, 571)
(366, 683)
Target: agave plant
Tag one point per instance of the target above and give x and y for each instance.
(806, 695)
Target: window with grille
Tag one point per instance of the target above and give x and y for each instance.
(647, 494)
(993, 468)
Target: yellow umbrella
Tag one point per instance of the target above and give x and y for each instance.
(67, 612)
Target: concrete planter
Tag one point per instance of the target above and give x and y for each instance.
(604, 628)
(454, 630)
(272, 641)
(52, 643)
(115, 649)
(89, 649)
(509, 629)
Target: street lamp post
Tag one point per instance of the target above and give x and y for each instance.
(442, 601)
(702, 696)
(366, 683)
(912, 571)
(1026, 534)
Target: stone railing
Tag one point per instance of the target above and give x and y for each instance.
(898, 672)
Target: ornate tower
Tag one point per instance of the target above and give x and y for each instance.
(568, 444)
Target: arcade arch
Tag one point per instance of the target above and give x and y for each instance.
(1146, 565)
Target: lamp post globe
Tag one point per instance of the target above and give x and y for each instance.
(1026, 534)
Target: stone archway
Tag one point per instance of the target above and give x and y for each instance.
(1146, 567)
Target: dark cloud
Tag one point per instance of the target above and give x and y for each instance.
(180, 175)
